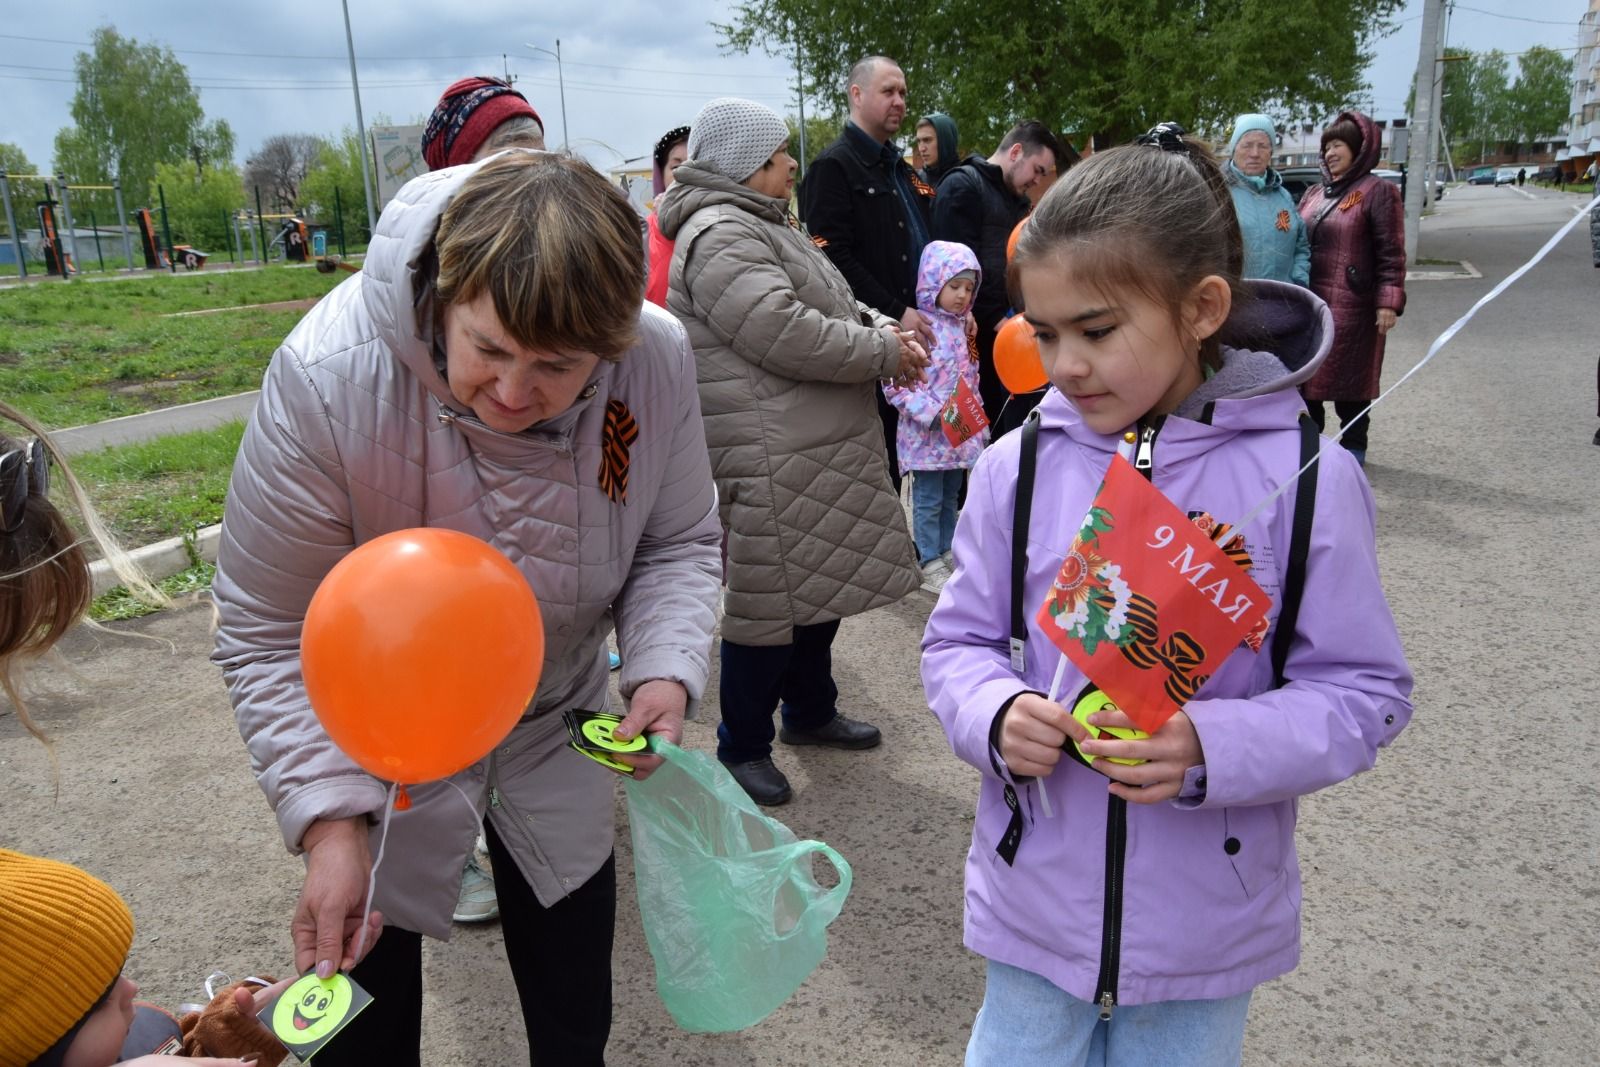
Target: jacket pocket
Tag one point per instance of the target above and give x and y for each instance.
(1360, 281)
(1253, 841)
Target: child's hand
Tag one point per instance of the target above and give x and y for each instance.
(1167, 754)
(1032, 733)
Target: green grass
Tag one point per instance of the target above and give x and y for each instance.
(118, 604)
(157, 489)
(81, 351)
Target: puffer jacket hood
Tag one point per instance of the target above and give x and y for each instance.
(1270, 344)
(1366, 156)
(941, 261)
(697, 187)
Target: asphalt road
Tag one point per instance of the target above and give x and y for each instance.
(1451, 909)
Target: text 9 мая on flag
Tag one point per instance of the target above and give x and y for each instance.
(1146, 604)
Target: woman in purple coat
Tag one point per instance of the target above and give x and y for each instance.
(1358, 267)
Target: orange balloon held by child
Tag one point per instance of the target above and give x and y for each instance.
(1016, 357)
(421, 649)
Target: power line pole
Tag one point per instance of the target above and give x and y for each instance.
(800, 91)
(361, 127)
(1421, 139)
(1438, 103)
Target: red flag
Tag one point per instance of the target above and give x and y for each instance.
(962, 416)
(1146, 604)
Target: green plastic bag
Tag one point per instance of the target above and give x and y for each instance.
(732, 914)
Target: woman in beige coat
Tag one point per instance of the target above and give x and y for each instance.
(461, 381)
(786, 359)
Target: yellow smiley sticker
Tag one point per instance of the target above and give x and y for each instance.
(311, 1009)
(599, 732)
(1094, 701)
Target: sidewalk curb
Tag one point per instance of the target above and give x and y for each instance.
(160, 560)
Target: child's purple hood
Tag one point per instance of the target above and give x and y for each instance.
(941, 261)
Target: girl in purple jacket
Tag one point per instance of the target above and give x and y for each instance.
(1128, 911)
(947, 283)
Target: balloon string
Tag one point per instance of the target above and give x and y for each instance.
(1433, 350)
(383, 840)
(372, 878)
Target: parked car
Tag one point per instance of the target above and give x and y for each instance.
(1483, 176)
(1506, 175)
(1298, 179)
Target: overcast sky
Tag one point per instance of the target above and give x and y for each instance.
(633, 70)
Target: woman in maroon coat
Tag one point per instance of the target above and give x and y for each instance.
(1356, 223)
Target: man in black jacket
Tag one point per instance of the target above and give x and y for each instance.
(867, 209)
(979, 204)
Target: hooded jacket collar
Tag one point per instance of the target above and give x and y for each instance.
(1271, 344)
(1365, 158)
(697, 187)
(944, 129)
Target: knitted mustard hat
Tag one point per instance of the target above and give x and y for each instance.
(64, 936)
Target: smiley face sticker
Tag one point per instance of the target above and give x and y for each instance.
(311, 1010)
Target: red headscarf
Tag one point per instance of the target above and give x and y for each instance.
(465, 116)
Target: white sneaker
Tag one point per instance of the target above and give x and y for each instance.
(477, 902)
(934, 574)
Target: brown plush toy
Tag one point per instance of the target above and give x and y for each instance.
(221, 1029)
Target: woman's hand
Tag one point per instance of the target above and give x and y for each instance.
(1168, 754)
(657, 707)
(913, 357)
(1386, 320)
(917, 325)
(1032, 733)
(327, 918)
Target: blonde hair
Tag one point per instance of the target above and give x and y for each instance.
(45, 582)
(557, 248)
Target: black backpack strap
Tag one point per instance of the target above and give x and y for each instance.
(1021, 516)
(1294, 578)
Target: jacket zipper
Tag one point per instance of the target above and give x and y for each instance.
(1105, 991)
(496, 802)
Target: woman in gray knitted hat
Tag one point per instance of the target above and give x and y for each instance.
(786, 359)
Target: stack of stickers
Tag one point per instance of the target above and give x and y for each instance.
(593, 734)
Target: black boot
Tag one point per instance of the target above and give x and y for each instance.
(762, 780)
(839, 732)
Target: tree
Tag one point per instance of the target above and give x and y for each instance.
(338, 167)
(134, 109)
(279, 168)
(1537, 105)
(199, 203)
(1475, 102)
(14, 160)
(820, 133)
(1110, 68)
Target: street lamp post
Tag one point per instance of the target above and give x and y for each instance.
(561, 81)
(367, 188)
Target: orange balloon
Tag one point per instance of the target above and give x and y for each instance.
(1011, 242)
(421, 650)
(1016, 357)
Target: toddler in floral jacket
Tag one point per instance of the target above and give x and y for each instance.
(942, 426)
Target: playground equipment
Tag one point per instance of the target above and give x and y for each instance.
(58, 240)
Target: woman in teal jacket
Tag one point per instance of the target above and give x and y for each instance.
(1275, 244)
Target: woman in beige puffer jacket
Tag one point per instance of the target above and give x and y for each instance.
(786, 359)
(460, 381)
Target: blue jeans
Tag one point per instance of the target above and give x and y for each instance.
(933, 510)
(1026, 1021)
